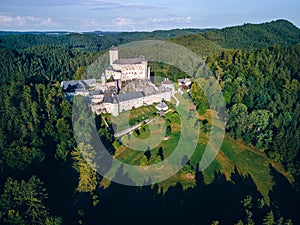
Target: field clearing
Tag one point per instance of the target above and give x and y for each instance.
(233, 157)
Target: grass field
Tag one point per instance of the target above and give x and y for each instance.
(232, 155)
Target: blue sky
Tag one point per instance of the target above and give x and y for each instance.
(131, 15)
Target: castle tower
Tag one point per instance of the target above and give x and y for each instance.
(103, 79)
(149, 71)
(145, 68)
(113, 54)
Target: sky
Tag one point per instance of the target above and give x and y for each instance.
(137, 15)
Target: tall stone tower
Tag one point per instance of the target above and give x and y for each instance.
(103, 79)
(145, 68)
(113, 54)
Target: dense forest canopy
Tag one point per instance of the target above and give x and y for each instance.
(93, 41)
(257, 66)
(257, 36)
(261, 89)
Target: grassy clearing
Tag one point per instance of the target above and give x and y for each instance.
(179, 177)
(133, 157)
(233, 154)
(131, 117)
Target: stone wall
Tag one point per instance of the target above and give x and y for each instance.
(147, 100)
(116, 108)
(134, 71)
(128, 71)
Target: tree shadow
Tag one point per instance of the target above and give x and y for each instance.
(219, 200)
(285, 199)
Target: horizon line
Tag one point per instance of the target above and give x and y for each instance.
(147, 31)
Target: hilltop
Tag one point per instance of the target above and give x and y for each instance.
(280, 32)
(197, 43)
(202, 41)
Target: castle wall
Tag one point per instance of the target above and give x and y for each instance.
(134, 71)
(97, 99)
(116, 108)
(111, 73)
(112, 108)
(128, 71)
(169, 87)
(147, 100)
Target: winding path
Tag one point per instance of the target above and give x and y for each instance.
(176, 99)
(129, 129)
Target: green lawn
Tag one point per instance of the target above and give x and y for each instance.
(133, 157)
(131, 117)
(233, 154)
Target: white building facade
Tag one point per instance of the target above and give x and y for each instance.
(126, 69)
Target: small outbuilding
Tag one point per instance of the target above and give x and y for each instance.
(162, 106)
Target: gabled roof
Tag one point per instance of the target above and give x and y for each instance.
(112, 69)
(113, 48)
(130, 96)
(162, 106)
(108, 98)
(78, 84)
(129, 61)
(95, 92)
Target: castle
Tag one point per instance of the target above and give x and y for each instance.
(126, 69)
(129, 86)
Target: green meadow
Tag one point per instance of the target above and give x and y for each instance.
(233, 156)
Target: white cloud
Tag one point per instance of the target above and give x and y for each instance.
(89, 23)
(127, 24)
(111, 4)
(172, 19)
(122, 21)
(22, 21)
(48, 22)
(39, 3)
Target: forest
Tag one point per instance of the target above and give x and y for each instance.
(45, 180)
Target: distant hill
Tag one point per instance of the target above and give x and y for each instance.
(4, 33)
(280, 32)
(202, 41)
(90, 41)
(197, 43)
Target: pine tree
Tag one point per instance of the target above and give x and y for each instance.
(84, 156)
(269, 219)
